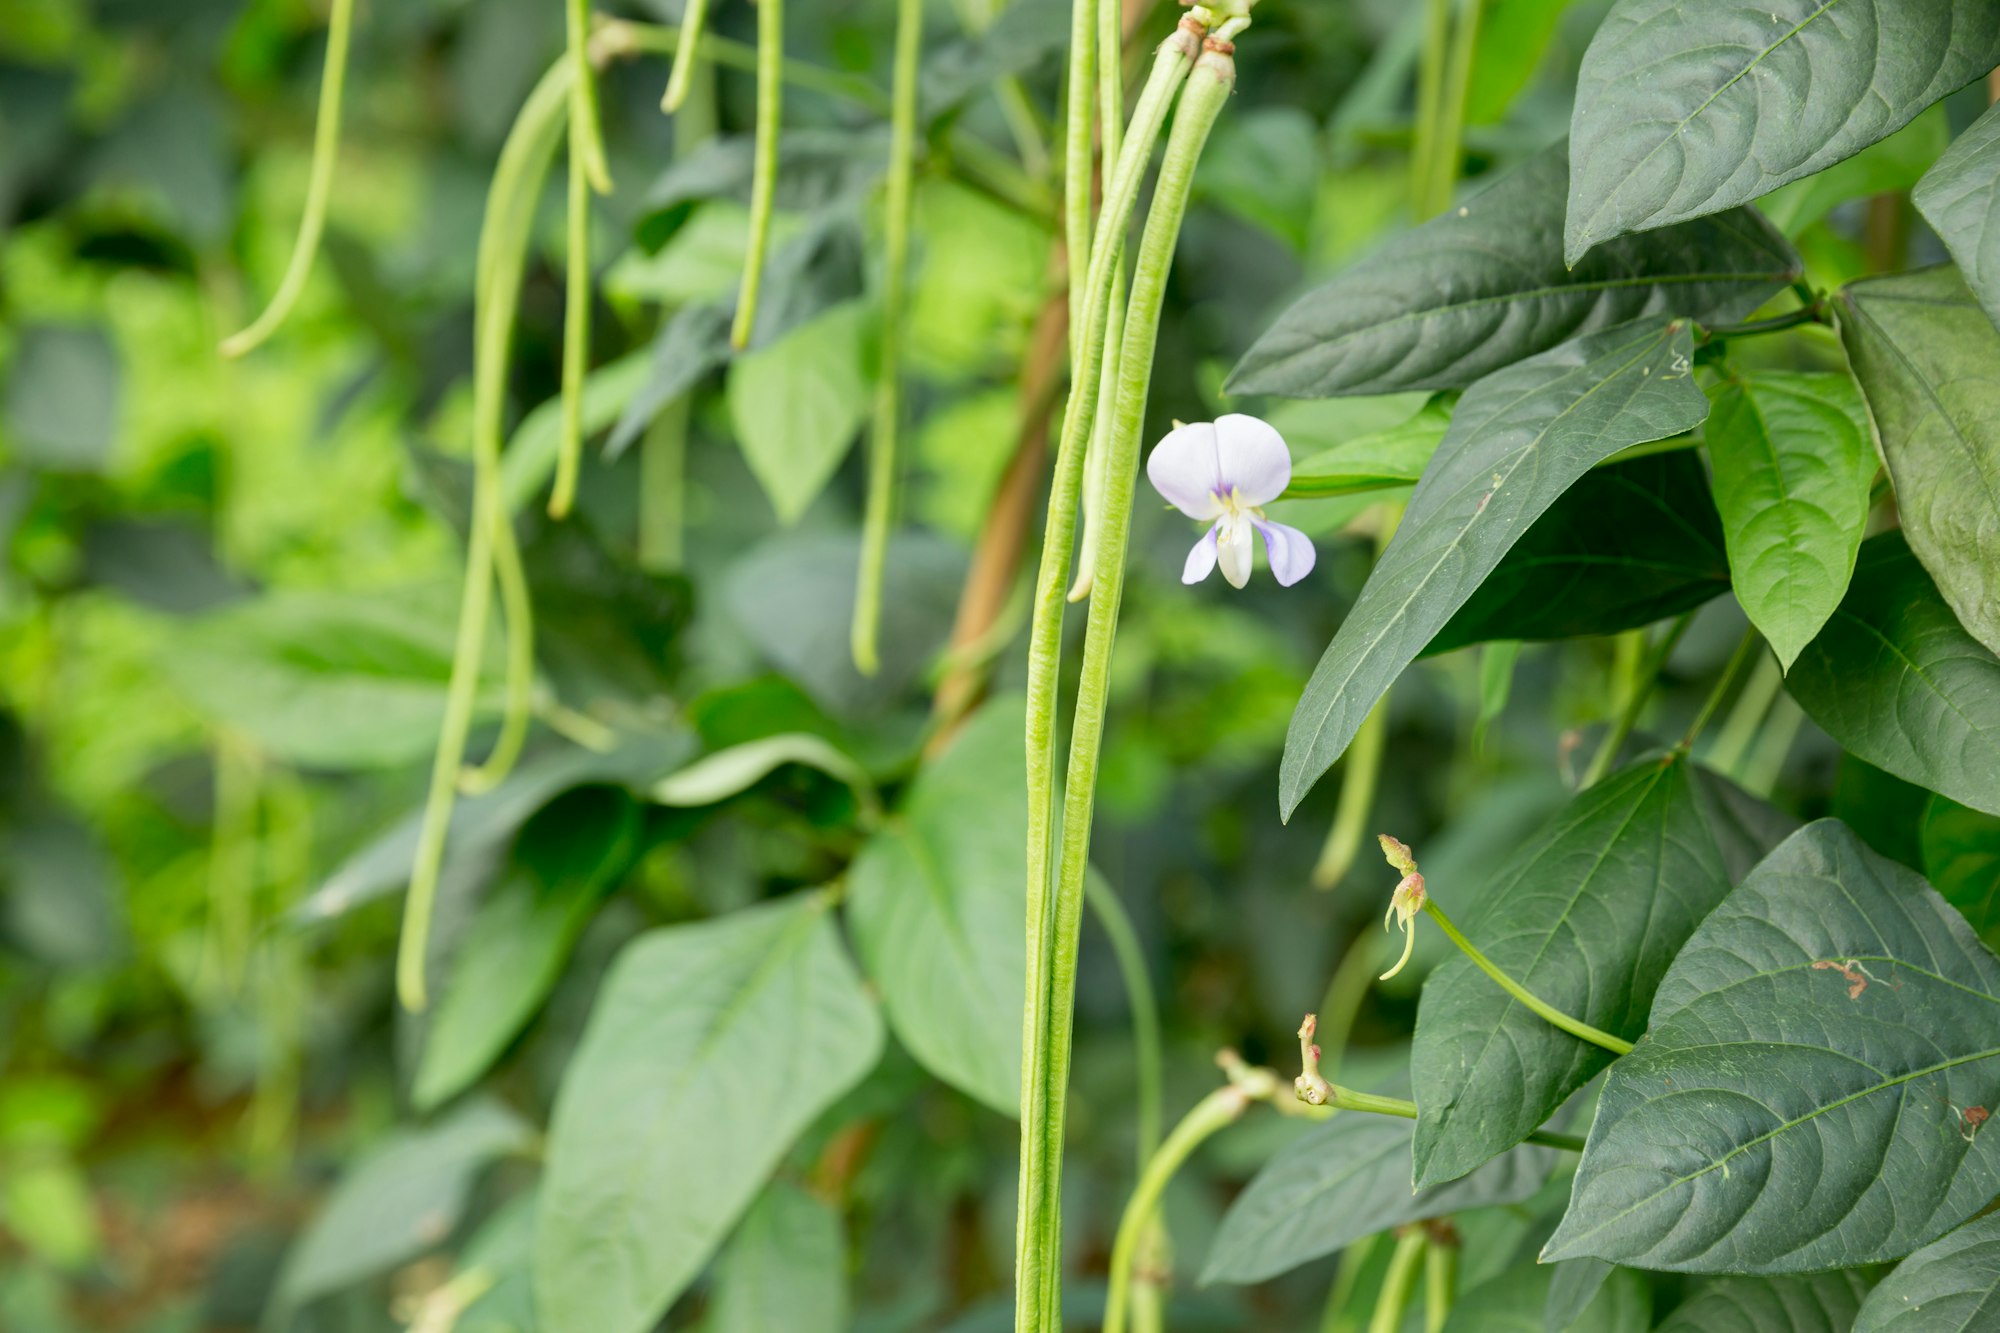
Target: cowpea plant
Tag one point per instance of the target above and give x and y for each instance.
(1624, 439)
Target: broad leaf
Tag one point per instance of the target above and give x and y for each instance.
(710, 1047)
(1343, 1179)
(935, 902)
(1951, 1285)
(1928, 360)
(1380, 460)
(1629, 544)
(1960, 198)
(1518, 440)
(1573, 1285)
(520, 937)
(1798, 1102)
(1825, 1303)
(1519, 1301)
(327, 680)
(1746, 828)
(1896, 163)
(1684, 109)
(63, 386)
(1961, 858)
(1897, 681)
(1587, 916)
(785, 1268)
(799, 402)
(402, 1200)
(1485, 285)
(1792, 460)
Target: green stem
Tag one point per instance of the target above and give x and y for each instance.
(1635, 702)
(1430, 96)
(1077, 174)
(1401, 1282)
(624, 36)
(1170, 67)
(576, 318)
(663, 489)
(764, 162)
(1440, 1284)
(1448, 148)
(1746, 716)
(1547, 1012)
(583, 108)
(232, 859)
(1213, 1113)
(1345, 991)
(1333, 1317)
(1812, 313)
(1347, 1099)
(1146, 1048)
(1357, 798)
(319, 186)
(694, 17)
(865, 634)
(1744, 648)
(503, 242)
(1053, 933)
(1767, 756)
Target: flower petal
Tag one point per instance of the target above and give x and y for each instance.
(1233, 549)
(1201, 560)
(1184, 467)
(1254, 458)
(1291, 551)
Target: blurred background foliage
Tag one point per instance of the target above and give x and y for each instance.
(226, 609)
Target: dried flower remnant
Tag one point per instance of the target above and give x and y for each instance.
(1407, 900)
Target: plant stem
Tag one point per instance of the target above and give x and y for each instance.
(1440, 1283)
(693, 18)
(503, 241)
(1746, 716)
(319, 186)
(232, 859)
(621, 37)
(1448, 148)
(1357, 798)
(1400, 1283)
(1744, 648)
(1430, 107)
(1635, 702)
(1213, 1113)
(1547, 1012)
(1170, 67)
(1812, 313)
(1344, 993)
(576, 317)
(583, 108)
(1078, 86)
(764, 160)
(1767, 756)
(1146, 1051)
(1353, 1259)
(866, 630)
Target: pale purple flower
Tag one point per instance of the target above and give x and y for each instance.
(1222, 472)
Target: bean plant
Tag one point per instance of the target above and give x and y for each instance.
(770, 864)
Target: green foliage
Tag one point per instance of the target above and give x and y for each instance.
(1951, 1279)
(1822, 1304)
(1960, 197)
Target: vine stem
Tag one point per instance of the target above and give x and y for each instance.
(1542, 1009)
(1447, 148)
(491, 553)
(693, 19)
(1430, 105)
(319, 187)
(865, 633)
(620, 37)
(1746, 717)
(764, 158)
(1405, 1261)
(1811, 313)
(1363, 770)
(1213, 1113)
(1440, 1281)
(1744, 647)
(1645, 679)
(587, 172)
(1170, 67)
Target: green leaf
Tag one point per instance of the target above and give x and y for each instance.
(1960, 198)
(1951, 1285)
(1630, 543)
(62, 398)
(1485, 285)
(1961, 858)
(1897, 681)
(1343, 1179)
(520, 937)
(1573, 1285)
(1380, 460)
(1587, 915)
(935, 903)
(1264, 167)
(1896, 163)
(785, 1268)
(402, 1200)
(1825, 1303)
(799, 402)
(1518, 1301)
(1795, 1104)
(1519, 439)
(711, 1046)
(1792, 460)
(1745, 828)
(1686, 107)
(1928, 360)
(327, 680)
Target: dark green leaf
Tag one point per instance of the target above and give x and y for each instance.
(1961, 858)
(709, 1049)
(798, 403)
(1485, 285)
(1745, 829)
(1951, 1285)
(784, 1269)
(935, 902)
(1573, 1285)
(1823, 1304)
(1960, 198)
(1896, 681)
(1928, 360)
(1630, 543)
(1343, 1179)
(1896, 163)
(402, 1200)
(1587, 916)
(62, 398)
(1793, 461)
(1519, 1301)
(1684, 109)
(1025, 33)
(1519, 439)
(1797, 1102)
